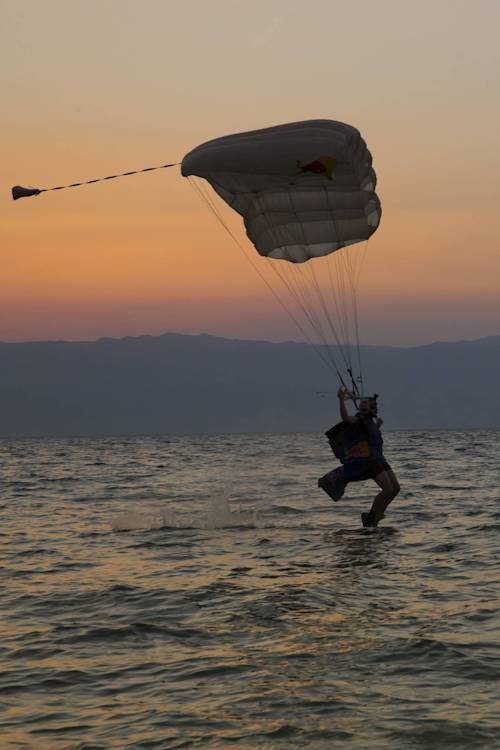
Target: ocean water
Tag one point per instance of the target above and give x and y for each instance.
(201, 592)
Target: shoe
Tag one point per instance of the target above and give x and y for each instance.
(368, 521)
(334, 491)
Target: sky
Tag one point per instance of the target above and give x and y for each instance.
(95, 87)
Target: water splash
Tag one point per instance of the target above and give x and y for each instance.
(219, 515)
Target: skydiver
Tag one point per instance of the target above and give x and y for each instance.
(357, 442)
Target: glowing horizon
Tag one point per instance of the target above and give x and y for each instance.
(142, 254)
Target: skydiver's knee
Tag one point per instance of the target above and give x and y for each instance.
(396, 488)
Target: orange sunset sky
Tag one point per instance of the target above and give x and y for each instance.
(95, 87)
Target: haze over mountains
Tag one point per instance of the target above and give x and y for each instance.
(204, 384)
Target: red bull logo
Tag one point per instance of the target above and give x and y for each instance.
(324, 165)
(360, 450)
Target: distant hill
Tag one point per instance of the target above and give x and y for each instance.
(195, 384)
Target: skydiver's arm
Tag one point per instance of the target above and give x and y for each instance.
(343, 395)
(343, 410)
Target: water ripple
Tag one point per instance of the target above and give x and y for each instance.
(196, 592)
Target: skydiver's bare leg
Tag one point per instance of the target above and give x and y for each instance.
(389, 488)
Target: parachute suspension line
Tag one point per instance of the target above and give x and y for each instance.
(354, 306)
(355, 276)
(356, 272)
(205, 196)
(339, 297)
(291, 280)
(328, 317)
(213, 208)
(288, 282)
(342, 275)
(335, 289)
(344, 270)
(294, 291)
(306, 272)
(347, 345)
(20, 192)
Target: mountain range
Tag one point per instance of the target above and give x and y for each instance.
(205, 384)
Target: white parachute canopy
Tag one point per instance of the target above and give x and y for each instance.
(305, 190)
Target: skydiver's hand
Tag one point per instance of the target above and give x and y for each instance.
(343, 394)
